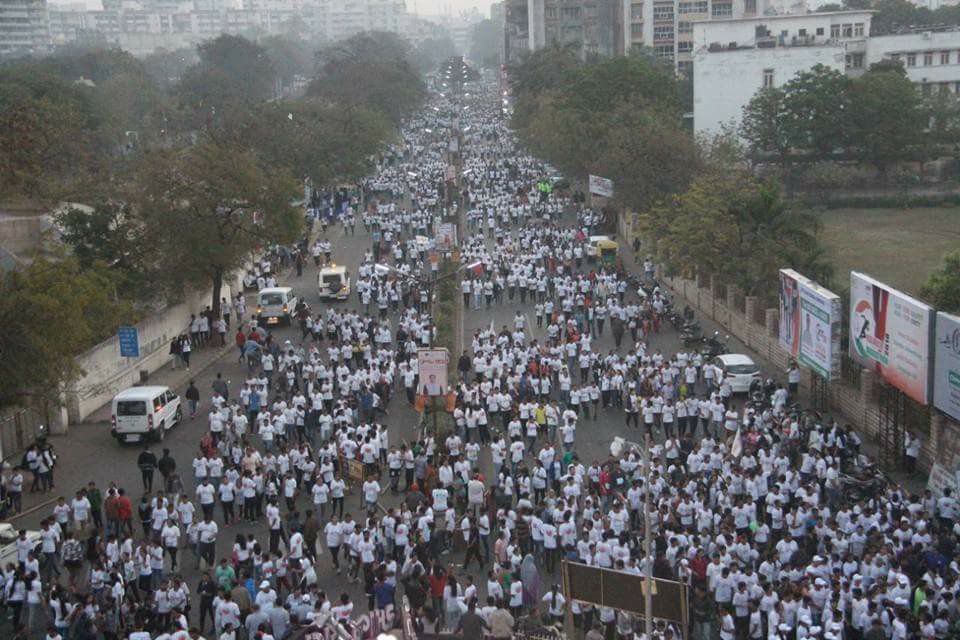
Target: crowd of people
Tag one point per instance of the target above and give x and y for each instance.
(745, 502)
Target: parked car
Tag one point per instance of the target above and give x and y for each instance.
(144, 413)
(739, 369)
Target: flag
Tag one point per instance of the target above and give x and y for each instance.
(737, 447)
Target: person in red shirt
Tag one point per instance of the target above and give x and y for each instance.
(124, 511)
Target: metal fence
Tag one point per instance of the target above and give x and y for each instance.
(18, 431)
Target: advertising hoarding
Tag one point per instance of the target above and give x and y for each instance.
(946, 365)
(820, 319)
(790, 311)
(601, 186)
(890, 333)
(432, 365)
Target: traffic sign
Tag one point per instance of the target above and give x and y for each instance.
(129, 342)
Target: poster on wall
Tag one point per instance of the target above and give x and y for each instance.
(790, 311)
(819, 330)
(890, 332)
(601, 186)
(946, 365)
(432, 367)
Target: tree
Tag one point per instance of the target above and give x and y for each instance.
(886, 118)
(762, 125)
(245, 63)
(486, 40)
(110, 235)
(817, 110)
(207, 208)
(290, 56)
(942, 287)
(372, 70)
(51, 311)
(728, 224)
(430, 53)
(327, 142)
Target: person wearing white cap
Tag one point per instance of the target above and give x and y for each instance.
(266, 596)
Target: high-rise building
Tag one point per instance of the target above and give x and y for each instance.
(594, 25)
(24, 28)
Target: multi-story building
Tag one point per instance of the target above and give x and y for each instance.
(593, 25)
(516, 31)
(733, 59)
(24, 28)
(931, 57)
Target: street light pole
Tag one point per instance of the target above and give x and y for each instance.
(647, 541)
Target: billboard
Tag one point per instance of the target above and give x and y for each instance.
(601, 186)
(790, 311)
(946, 365)
(890, 333)
(432, 366)
(625, 591)
(446, 238)
(820, 320)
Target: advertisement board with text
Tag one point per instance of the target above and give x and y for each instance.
(820, 328)
(946, 365)
(890, 332)
(790, 311)
(432, 365)
(601, 186)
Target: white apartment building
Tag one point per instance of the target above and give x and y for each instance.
(24, 28)
(736, 58)
(931, 58)
(733, 59)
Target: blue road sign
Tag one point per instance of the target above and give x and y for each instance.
(129, 342)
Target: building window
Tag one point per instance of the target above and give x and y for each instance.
(819, 31)
(722, 10)
(685, 67)
(663, 13)
(802, 32)
(570, 13)
(750, 7)
(944, 57)
(550, 12)
(858, 29)
(636, 29)
(767, 78)
(911, 59)
(684, 27)
(855, 61)
(927, 59)
(685, 47)
(664, 51)
(662, 33)
(636, 11)
(684, 7)
(834, 31)
(848, 31)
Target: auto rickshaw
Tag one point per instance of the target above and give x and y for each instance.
(607, 251)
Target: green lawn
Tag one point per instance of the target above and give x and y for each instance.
(897, 246)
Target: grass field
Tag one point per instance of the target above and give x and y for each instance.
(897, 246)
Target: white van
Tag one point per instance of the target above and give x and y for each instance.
(275, 305)
(144, 413)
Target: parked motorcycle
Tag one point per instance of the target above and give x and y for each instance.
(714, 346)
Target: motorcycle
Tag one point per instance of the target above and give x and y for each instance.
(714, 346)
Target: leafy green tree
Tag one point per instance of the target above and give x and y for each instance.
(728, 224)
(51, 311)
(327, 142)
(110, 235)
(372, 70)
(886, 117)
(817, 110)
(762, 126)
(942, 287)
(208, 207)
(290, 56)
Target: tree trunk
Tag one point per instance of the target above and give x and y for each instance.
(217, 287)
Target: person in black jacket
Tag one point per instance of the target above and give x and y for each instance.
(167, 466)
(207, 590)
(148, 464)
